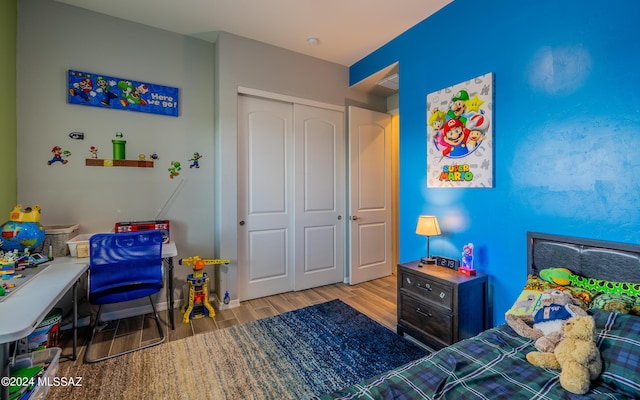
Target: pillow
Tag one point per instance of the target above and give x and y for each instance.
(614, 302)
(618, 338)
(529, 299)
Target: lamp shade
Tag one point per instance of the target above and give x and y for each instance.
(428, 226)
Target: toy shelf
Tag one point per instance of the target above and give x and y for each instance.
(99, 162)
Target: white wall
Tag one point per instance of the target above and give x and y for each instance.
(251, 64)
(53, 38)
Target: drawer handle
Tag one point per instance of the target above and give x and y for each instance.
(426, 314)
(425, 287)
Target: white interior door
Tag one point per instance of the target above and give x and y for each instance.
(265, 191)
(370, 195)
(319, 199)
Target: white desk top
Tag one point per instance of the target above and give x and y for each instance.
(21, 312)
(169, 250)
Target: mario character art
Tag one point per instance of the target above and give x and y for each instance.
(105, 89)
(459, 106)
(194, 160)
(131, 94)
(174, 169)
(58, 154)
(477, 125)
(82, 89)
(455, 137)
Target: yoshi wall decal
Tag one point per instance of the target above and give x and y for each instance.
(89, 89)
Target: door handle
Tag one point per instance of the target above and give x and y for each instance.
(355, 218)
(241, 222)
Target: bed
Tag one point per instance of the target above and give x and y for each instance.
(492, 365)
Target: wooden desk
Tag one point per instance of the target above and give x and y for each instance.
(25, 309)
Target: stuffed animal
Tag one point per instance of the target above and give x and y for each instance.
(576, 356)
(545, 324)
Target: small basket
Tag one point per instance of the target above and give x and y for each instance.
(55, 238)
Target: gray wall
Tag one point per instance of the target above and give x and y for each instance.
(53, 38)
(242, 62)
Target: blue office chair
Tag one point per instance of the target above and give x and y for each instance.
(123, 267)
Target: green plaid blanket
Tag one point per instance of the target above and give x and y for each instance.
(493, 366)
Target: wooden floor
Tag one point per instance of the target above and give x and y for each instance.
(376, 299)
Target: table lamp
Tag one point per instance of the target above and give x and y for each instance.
(428, 226)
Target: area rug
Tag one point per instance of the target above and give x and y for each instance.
(295, 355)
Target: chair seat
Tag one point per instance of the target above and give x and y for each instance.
(120, 294)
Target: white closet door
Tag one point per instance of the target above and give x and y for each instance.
(370, 233)
(265, 191)
(319, 196)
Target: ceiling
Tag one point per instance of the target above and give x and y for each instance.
(346, 30)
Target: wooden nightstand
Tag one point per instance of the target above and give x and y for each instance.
(440, 306)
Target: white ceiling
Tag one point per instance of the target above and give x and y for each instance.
(347, 30)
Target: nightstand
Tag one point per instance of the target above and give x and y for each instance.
(440, 306)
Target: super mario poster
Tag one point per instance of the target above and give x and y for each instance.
(460, 135)
(104, 91)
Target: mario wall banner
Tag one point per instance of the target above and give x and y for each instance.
(104, 91)
(460, 135)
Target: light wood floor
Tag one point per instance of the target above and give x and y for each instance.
(377, 299)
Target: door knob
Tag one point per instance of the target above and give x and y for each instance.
(241, 222)
(354, 218)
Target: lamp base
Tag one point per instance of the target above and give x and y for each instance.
(427, 260)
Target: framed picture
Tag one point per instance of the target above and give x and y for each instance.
(90, 89)
(460, 135)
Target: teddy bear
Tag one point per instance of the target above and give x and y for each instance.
(576, 355)
(545, 324)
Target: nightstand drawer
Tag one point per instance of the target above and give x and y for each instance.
(429, 289)
(430, 319)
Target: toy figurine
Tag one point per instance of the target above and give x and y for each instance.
(94, 151)
(467, 260)
(198, 305)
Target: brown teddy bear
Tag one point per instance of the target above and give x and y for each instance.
(576, 356)
(545, 324)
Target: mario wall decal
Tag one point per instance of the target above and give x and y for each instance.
(460, 134)
(104, 91)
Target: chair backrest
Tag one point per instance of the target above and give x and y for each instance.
(124, 266)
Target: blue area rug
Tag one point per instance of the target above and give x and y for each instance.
(295, 355)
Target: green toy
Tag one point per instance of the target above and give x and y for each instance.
(564, 277)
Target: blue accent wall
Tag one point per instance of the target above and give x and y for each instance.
(566, 127)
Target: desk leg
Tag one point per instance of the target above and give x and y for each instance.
(75, 321)
(4, 362)
(170, 288)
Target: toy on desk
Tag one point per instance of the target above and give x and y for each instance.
(23, 230)
(198, 305)
(467, 260)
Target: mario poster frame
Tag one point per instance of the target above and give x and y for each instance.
(460, 135)
(103, 91)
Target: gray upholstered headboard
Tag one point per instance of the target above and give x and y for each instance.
(618, 262)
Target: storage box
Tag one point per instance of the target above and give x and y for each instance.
(79, 245)
(50, 357)
(55, 238)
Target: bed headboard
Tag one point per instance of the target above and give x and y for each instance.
(618, 262)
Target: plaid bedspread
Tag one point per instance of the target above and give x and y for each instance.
(493, 366)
